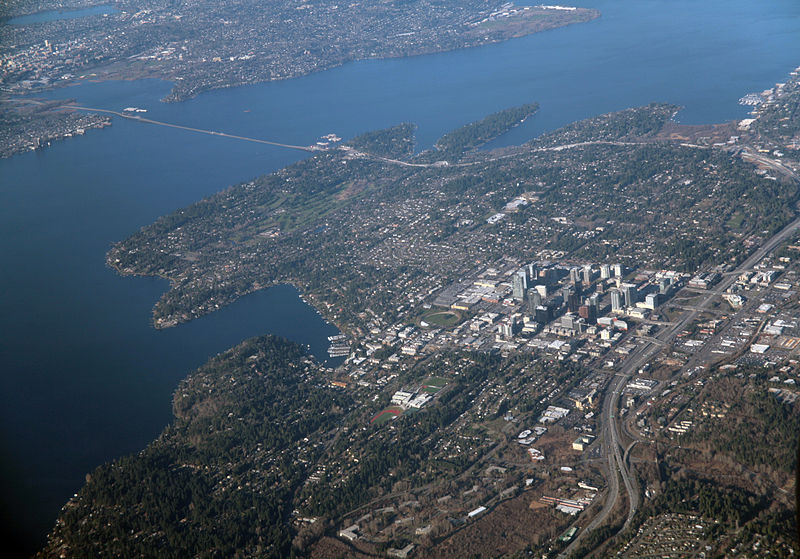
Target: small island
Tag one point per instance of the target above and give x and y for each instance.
(352, 222)
(208, 45)
(513, 319)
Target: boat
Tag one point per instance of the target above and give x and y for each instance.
(751, 99)
(338, 349)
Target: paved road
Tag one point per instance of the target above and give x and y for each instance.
(644, 352)
(774, 164)
(609, 427)
(139, 118)
(498, 158)
(349, 150)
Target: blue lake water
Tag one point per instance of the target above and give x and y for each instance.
(83, 376)
(53, 15)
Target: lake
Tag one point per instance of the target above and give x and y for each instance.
(84, 378)
(53, 15)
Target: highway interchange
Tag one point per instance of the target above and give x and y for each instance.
(609, 430)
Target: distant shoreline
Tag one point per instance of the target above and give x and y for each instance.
(193, 76)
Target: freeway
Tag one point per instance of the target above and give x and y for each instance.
(651, 347)
(138, 118)
(496, 158)
(351, 152)
(646, 351)
(608, 437)
(767, 162)
(648, 347)
(643, 353)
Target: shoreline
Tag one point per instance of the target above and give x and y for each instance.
(108, 72)
(165, 323)
(173, 77)
(136, 78)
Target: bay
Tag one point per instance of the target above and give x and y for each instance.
(83, 376)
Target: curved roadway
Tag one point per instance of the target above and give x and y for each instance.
(609, 428)
(645, 352)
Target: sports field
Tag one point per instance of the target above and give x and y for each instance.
(383, 416)
(441, 318)
(433, 385)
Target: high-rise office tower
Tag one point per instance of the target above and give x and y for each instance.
(519, 285)
(617, 300)
(534, 300)
(630, 293)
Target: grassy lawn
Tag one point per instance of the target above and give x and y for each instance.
(444, 319)
(433, 385)
(735, 221)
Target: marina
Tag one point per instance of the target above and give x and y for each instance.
(62, 207)
(751, 100)
(339, 350)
